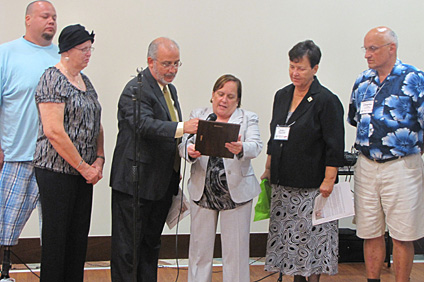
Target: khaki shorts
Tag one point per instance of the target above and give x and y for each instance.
(392, 194)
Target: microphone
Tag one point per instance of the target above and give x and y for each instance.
(211, 117)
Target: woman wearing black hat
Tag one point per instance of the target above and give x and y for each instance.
(69, 156)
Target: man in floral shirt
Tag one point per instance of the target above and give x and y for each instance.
(387, 108)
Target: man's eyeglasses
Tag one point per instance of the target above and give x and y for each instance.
(168, 65)
(86, 49)
(372, 49)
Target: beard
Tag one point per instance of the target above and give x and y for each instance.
(47, 36)
(161, 77)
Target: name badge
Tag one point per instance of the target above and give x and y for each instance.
(282, 133)
(366, 107)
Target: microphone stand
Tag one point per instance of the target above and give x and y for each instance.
(136, 94)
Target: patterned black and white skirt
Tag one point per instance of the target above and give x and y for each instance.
(294, 246)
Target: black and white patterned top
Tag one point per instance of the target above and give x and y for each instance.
(216, 195)
(81, 120)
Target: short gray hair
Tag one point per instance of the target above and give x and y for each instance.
(391, 35)
(388, 34)
(154, 46)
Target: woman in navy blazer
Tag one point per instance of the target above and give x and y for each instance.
(304, 150)
(222, 187)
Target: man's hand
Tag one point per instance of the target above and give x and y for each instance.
(190, 126)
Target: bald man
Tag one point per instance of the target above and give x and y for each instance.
(160, 127)
(22, 62)
(387, 108)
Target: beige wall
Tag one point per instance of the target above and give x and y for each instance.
(247, 38)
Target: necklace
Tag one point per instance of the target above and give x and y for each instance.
(76, 79)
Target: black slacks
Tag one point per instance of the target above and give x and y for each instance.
(66, 202)
(150, 223)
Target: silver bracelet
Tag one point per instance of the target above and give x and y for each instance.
(80, 163)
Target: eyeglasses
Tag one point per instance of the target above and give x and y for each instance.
(86, 49)
(372, 49)
(168, 65)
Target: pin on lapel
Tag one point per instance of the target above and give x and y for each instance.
(310, 99)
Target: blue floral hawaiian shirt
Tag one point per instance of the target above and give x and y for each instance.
(388, 115)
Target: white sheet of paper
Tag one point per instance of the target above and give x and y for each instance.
(338, 205)
(172, 219)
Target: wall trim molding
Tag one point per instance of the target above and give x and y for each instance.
(29, 249)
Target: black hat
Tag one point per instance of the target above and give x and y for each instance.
(73, 35)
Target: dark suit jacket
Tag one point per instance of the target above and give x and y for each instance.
(157, 142)
(316, 138)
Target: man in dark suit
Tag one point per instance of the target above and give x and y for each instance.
(159, 129)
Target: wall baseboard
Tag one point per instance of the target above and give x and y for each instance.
(29, 250)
